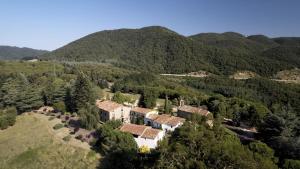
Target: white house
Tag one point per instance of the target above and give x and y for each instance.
(164, 122)
(144, 135)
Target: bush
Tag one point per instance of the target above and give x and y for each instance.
(60, 106)
(291, 164)
(7, 117)
(58, 126)
(51, 118)
(67, 138)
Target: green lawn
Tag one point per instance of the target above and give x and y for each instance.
(31, 144)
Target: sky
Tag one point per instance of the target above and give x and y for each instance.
(50, 24)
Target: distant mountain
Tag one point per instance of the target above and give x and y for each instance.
(159, 49)
(12, 53)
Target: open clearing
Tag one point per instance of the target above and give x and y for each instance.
(32, 144)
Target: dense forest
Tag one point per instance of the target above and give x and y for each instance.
(72, 87)
(13, 53)
(159, 49)
(129, 61)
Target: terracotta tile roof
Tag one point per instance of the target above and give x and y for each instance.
(141, 110)
(150, 133)
(191, 109)
(140, 130)
(162, 119)
(133, 129)
(168, 119)
(152, 116)
(175, 120)
(107, 105)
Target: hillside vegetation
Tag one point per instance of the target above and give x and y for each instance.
(19, 149)
(161, 50)
(12, 53)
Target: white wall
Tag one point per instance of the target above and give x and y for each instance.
(120, 112)
(151, 143)
(165, 127)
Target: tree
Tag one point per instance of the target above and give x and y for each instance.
(69, 101)
(7, 117)
(83, 92)
(167, 107)
(148, 98)
(89, 116)
(291, 164)
(121, 98)
(60, 106)
(120, 148)
(196, 145)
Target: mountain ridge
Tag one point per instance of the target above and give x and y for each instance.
(159, 49)
(15, 53)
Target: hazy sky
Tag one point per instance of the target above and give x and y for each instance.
(51, 24)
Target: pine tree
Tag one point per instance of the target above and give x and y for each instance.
(83, 92)
(69, 102)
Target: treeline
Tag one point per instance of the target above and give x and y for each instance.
(274, 109)
(67, 87)
(151, 87)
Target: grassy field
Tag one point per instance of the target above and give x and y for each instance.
(7, 67)
(32, 144)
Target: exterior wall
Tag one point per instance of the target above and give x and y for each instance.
(165, 127)
(104, 115)
(148, 122)
(126, 114)
(134, 117)
(184, 114)
(121, 113)
(116, 114)
(156, 125)
(151, 143)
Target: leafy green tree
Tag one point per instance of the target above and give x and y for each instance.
(148, 98)
(60, 106)
(196, 145)
(291, 164)
(7, 117)
(121, 98)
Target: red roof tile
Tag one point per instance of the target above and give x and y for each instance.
(141, 110)
(150, 133)
(133, 129)
(140, 130)
(107, 105)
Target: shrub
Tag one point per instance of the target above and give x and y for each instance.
(60, 106)
(58, 126)
(291, 164)
(7, 117)
(51, 118)
(67, 138)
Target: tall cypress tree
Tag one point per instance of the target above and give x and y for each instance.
(83, 92)
(167, 107)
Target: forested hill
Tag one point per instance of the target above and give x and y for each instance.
(11, 53)
(160, 50)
